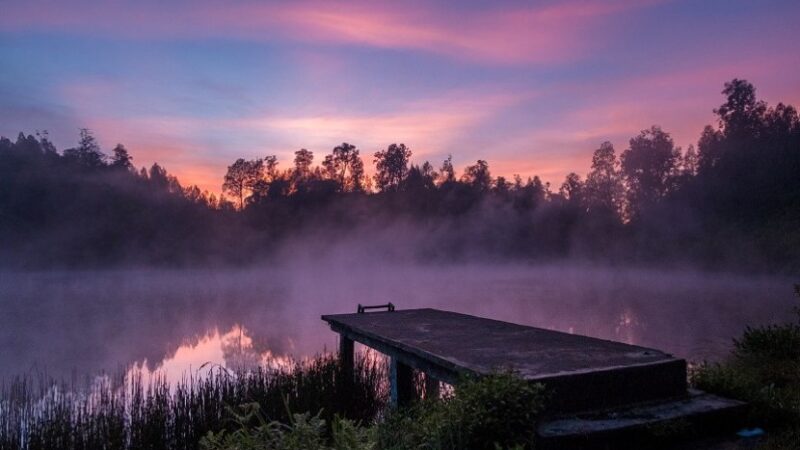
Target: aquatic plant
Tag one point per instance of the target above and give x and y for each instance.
(116, 413)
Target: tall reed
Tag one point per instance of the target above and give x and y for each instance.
(132, 413)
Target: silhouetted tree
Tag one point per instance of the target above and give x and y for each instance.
(747, 174)
(538, 189)
(265, 180)
(572, 189)
(159, 177)
(47, 147)
(269, 168)
(120, 158)
(242, 177)
(478, 176)
(741, 115)
(446, 172)
(420, 191)
(193, 194)
(429, 174)
(604, 191)
(93, 213)
(344, 165)
(358, 181)
(650, 167)
(87, 153)
(502, 187)
(419, 179)
(302, 169)
(690, 162)
(740, 186)
(391, 166)
(709, 149)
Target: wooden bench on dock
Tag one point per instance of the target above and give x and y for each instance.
(637, 386)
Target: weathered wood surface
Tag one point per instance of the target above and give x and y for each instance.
(601, 391)
(584, 371)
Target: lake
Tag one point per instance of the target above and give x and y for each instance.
(69, 323)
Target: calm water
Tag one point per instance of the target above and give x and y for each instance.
(174, 321)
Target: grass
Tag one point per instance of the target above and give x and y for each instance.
(494, 412)
(763, 370)
(134, 414)
(302, 432)
(498, 411)
(254, 411)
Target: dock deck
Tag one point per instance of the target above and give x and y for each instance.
(601, 392)
(583, 372)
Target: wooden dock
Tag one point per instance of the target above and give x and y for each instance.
(583, 374)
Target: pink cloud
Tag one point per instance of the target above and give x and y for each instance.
(541, 34)
(536, 34)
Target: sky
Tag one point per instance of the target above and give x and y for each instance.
(533, 87)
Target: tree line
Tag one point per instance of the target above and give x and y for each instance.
(733, 200)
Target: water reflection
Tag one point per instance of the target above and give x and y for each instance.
(628, 326)
(88, 322)
(233, 350)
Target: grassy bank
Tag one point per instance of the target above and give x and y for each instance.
(764, 370)
(268, 411)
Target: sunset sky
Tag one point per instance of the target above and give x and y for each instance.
(532, 87)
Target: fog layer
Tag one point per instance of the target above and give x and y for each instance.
(90, 321)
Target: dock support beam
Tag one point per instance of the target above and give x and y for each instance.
(346, 355)
(401, 383)
(431, 387)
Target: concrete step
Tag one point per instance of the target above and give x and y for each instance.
(625, 384)
(631, 427)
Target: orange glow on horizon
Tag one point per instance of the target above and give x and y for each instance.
(533, 89)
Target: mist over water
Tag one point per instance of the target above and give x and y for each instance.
(85, 322)
(315, 238)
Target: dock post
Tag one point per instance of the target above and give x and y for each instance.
(346, 355)
(401, 383)
(431, 387)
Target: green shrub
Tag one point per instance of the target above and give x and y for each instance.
(782, 440)
(770, 343)
(251, 431)
(496, 411)
(764, 370)
(348, 435)
(769, 404)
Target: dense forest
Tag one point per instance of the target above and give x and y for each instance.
(731, 202)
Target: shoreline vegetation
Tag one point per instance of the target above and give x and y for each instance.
(259, 410)
(314, 405)
(133, 413)
(764, 370)
(652, 202)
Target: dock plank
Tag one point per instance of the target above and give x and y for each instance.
(583, 370)
(482, 345)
